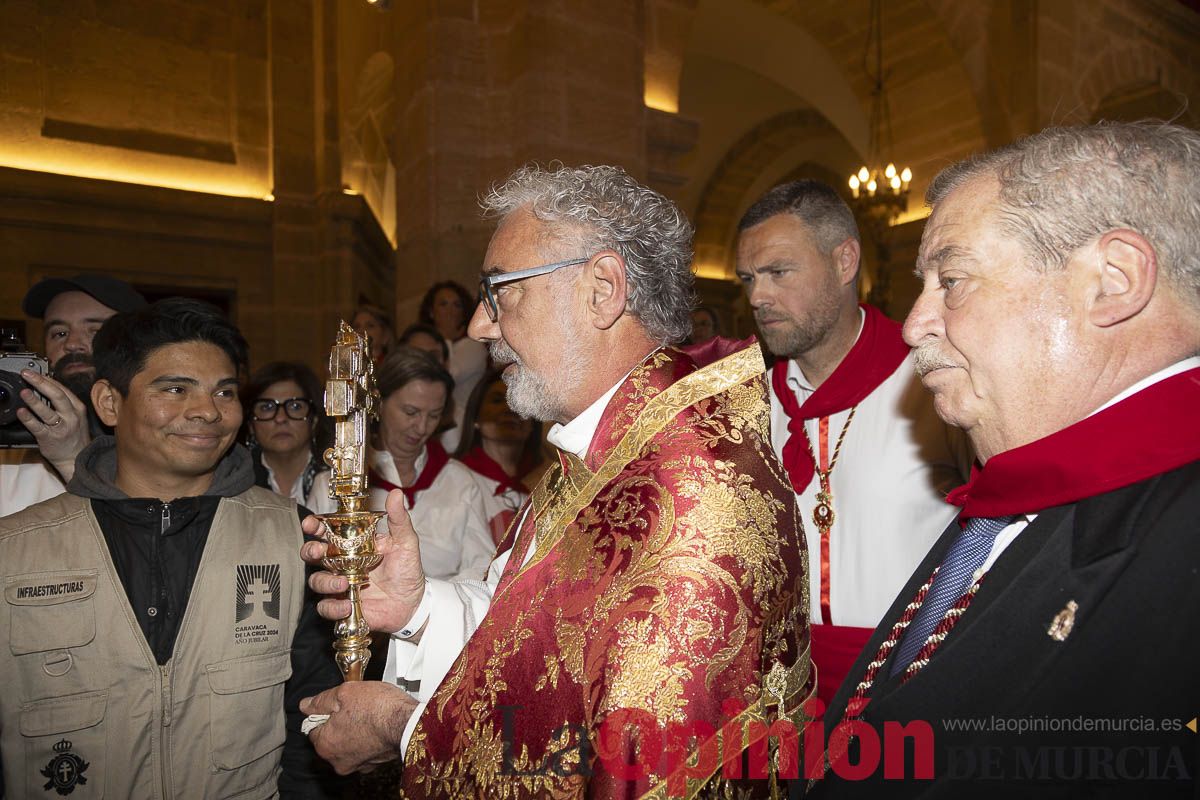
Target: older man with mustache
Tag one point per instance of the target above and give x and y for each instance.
(1047, 646)
(867, 457)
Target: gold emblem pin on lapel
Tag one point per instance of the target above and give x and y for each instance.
(1063, 622)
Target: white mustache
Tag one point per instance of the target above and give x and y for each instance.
(926, 359)
(503, 354)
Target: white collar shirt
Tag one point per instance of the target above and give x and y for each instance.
(897, 462)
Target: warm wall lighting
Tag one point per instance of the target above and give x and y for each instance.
(661, 99)
(199, 178)
(713, 270)
(920, 212)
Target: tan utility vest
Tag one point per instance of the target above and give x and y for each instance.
(85, 712)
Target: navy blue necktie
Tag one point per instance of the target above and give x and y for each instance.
(956, 575)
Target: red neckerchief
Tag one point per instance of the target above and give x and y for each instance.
(478, 460)
(879, 350)
(435, 459)
(1147, 434)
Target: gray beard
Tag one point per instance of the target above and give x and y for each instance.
(792, 343)
(528, 394)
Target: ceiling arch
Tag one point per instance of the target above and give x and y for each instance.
(1133, 79)
(935, 108)
(784, 51)
(762, 157)
(776, 83)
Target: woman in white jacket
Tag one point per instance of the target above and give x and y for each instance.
(447, 307)
(444, 501)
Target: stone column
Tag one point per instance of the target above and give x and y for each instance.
(486, 87)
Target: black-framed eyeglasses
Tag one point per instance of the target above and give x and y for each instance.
(489, 282)
(265, 409)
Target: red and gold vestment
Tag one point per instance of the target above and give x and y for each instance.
(666, 578)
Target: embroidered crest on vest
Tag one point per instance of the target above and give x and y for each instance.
(65, 770)
(256, 610)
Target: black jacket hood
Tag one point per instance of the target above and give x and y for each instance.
(96, 471)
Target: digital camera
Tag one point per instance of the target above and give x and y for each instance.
(13, 359)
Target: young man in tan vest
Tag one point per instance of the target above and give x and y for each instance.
(159, 635)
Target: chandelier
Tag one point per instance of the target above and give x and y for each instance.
(879, 192)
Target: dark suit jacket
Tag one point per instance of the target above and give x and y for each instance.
(1130, 559)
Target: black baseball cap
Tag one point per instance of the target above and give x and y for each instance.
(117, 295)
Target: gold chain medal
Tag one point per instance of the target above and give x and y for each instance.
(823, 515)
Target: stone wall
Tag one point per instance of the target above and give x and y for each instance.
(296, 157)
(198, 146)
(485, 87)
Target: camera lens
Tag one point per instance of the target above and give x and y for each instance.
(10, 396)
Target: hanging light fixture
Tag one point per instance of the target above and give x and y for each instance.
(879, 191)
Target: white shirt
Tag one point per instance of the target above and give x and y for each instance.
(1009, 534)
(449, 518)
(498, 509)
(318, 500)
(26, 479)
(897, 463)
(467, 364)
(456, 608)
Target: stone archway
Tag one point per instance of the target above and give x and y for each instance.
(935, 103)
(746, 166)
(823, 92)
(1093, 51)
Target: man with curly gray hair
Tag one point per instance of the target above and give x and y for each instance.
(630, 242)
(1059, 327)
(656, 575)
(600, 208)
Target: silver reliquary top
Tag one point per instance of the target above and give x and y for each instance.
(352, 400)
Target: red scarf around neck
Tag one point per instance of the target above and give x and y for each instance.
(477, 459)
(435, 459)
(879, 350)
(1147, 434)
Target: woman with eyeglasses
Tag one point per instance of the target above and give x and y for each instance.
(288, 433)
(444, 501)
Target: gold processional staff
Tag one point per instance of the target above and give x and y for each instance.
(352, 400)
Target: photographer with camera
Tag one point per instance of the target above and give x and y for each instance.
(49, 413)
